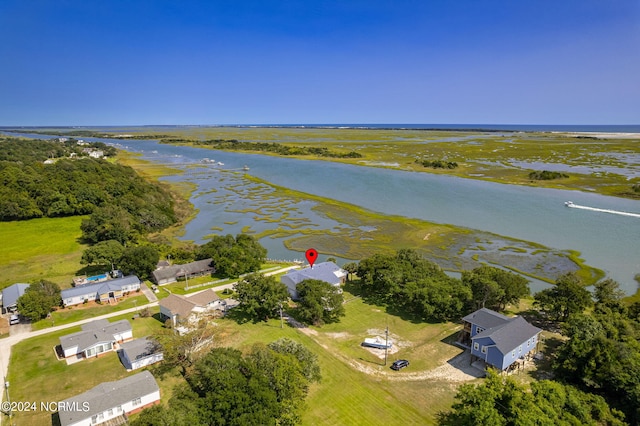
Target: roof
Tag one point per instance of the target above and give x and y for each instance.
(107, 395)
(509, 335)
(325, 271)
(175, 271)
(486, 318)
(183, 306)
(178, 305)
(140, 348)
(203, 298)
(11, 294)
(99, 288)
(93, 333)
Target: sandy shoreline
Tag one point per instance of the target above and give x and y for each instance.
(602, 135)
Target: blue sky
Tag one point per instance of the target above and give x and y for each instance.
(96, 62)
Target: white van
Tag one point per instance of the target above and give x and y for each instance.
(14, 319)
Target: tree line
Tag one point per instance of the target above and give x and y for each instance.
(121, 204)
(438, 164)
(272, 147)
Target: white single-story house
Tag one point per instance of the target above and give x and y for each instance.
(326, 271)
(186, 308)
(10, 296)
(170, 274)
(96, 338)
(106, 291)
(110, 400)
(139, 353)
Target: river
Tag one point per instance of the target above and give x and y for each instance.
(606, 241)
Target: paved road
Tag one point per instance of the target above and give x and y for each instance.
(7, 343)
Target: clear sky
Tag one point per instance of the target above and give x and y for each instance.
(112, 62)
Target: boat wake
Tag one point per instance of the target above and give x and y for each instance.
(594, 209)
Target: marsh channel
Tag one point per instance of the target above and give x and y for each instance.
(349, 212)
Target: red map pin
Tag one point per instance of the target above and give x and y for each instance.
(311, 256)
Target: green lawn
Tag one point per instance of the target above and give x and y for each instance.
(36, 375)
(80, 312)
(40, 249)
(344, 396)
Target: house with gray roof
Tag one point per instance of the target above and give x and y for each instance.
(96, 338)
(498, 340)
(170, 274)
(139, 353)
(105, 291)
(326, 271)
(10, 296)
(110, 401)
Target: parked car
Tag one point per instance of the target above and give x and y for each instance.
(399, 364)
(14, 319)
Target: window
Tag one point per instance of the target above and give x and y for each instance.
(476, 346)
(136, 402)
(520, 349)
(110, 412)
(484, 350)
(513, 354)
(479, 330)
(528, 342)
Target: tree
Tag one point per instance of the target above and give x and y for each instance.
(261, 296)
(233, 257)
(103, 253)
(495, 288)
(38, 300)
(139, 260)
(320, 302)
(608, 295)
(503, 401)
(183, 350)
(351, 269)
(225, 387)
(308, 360)
(567, 297)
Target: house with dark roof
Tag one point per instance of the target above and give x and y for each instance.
(186, 308)
(10, 296)
(110, 401)
(498, 340)
(139, 353)
(170, 274)
(96, 338)
(105, 291)
(326, 271)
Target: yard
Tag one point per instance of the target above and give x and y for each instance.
(356, 386)
(36, 375)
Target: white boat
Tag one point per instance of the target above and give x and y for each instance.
(245, 168)
(568, 203)
(377, 343)
(220, 163)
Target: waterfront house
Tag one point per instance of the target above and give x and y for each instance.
(326, 271)
(109, 291)
(170, 274)
(499, 341)
(187, 308)
(139, 353)
(96, 338)
(110, 401)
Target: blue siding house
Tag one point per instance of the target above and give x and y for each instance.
(499, 340)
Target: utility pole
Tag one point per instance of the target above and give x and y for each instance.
(386, 344)
(281, 321)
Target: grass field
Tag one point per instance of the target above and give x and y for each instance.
(40, 249)
(344, 396)
(36, 375)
